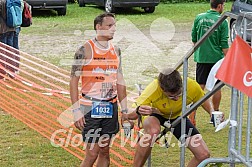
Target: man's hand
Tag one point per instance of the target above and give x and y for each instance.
(125, 118)
(79, 120)
(148, 110)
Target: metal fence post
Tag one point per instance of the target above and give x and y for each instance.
(183, 121)
(232, 130)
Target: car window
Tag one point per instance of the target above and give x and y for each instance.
(249, 2)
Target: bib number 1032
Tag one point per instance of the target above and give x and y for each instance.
(102, 110)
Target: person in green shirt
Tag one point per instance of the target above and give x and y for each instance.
(214, 47)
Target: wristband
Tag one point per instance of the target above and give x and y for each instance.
(76, 109)
(124, 110)
(137, 110)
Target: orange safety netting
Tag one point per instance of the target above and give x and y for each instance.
(39, 97)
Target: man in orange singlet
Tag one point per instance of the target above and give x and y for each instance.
(97, 63)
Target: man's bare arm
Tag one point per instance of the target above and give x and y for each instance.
(121, 85)
(79, 59)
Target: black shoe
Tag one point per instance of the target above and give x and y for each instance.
(211, 120)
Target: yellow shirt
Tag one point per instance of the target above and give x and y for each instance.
(154, 96)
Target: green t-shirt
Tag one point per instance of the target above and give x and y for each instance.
(211, 50)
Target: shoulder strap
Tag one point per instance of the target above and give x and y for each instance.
(3, 9)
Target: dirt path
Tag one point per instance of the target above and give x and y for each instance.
(142, 58)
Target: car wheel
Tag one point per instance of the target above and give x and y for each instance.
(62, 11)
(81, 3)
(109, 6)
(233, 31)
(149, 9)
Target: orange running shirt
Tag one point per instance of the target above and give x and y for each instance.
(99, 75)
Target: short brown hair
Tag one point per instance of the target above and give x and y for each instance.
(170, 80)
(214, 3)
(99, 19)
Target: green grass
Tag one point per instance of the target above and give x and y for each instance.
(21, 146)
(45, 22)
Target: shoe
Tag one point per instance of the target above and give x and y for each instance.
(211, 120)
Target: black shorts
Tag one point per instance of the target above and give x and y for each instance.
(96, 127)
(202, 72)
(190, 129)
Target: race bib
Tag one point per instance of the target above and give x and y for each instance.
(102, 110)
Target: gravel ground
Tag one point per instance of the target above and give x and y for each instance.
(144, 55)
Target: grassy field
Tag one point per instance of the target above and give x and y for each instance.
(48, 38)
(82, 18)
